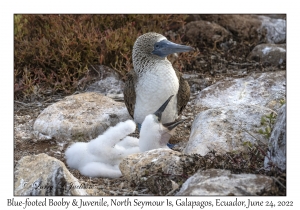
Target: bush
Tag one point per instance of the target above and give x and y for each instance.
(53, 52)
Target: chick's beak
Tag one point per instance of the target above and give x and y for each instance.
(159, 112)
(171, 125)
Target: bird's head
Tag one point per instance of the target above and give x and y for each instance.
(156, 44)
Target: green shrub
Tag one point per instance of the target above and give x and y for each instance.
(53, 52)
(268, 121)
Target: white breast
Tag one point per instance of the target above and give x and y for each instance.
(153, 88)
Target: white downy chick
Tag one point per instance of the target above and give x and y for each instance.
(153, 133)
(101, 156)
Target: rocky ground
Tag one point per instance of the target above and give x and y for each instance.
(26, 143)
(217, 61)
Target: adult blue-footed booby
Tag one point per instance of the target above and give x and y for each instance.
(154, 79)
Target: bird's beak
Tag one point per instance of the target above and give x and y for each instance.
(171, 125)
(159, 112)
(165, 47)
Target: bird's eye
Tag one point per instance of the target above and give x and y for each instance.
(156, 45)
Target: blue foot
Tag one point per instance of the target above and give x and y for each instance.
(139, 127)
(170, 145)
(139, 130)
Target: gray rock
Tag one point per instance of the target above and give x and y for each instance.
(243, 26)
(259, 89)
(109, 83)
(206, 31)
(276, 16)
(23, 127)
(160, 184)
(136, 166)
(192, 17)
(276, 29)
(156, 169)
(277, 142)
(196, 83)
(80, 117)
(45, 175)
(222, 182)
(225, 129)
(235, 108)
(272, 54)
(252, 27)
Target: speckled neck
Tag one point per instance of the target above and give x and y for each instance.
(142, 57)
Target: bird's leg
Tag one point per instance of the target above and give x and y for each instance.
(139, 126)
(170, 145)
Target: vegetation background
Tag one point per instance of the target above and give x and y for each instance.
(56, 53)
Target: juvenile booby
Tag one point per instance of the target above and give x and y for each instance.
(154, 79)
(101, 156)
(153, 133)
